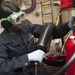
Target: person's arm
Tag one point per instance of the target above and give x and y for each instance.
(61, 30)
(7, 65)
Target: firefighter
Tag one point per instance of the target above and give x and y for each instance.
(17, 47)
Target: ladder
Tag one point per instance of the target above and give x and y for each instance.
(47, 12)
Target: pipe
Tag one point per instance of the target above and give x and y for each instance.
(45, 37)
(32, 7)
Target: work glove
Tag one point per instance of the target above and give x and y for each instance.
(71, 23)
(37, 55)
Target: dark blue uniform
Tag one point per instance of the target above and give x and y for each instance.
(14, 49)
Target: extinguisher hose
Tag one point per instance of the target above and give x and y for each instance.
(63, 49)
(66, 66)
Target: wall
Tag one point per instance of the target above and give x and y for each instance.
(67, 14)
(32, 17)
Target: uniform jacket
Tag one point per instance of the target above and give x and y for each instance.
(14, 48)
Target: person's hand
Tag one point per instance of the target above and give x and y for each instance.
(37, 55)
(71, 23)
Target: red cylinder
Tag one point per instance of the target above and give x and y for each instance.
(70, 49)
(65, 4)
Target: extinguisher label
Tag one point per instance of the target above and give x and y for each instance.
(72, 37)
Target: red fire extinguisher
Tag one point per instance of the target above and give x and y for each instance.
(70, 49)
(65, 4)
